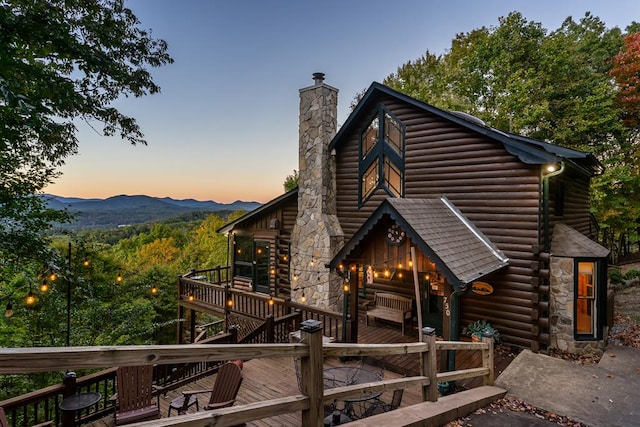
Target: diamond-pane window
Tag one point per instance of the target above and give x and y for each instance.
(370, 180)
(382, 148)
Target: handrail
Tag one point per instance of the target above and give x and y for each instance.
(310, 351)
(196, 292)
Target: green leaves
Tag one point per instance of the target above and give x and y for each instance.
(553, 86)
(61, 60)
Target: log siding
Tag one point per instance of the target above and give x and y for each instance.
(494, 189)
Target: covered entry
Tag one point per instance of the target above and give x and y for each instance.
(422, 248)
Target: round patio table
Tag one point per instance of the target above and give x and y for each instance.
(80, 401)
(341, 376)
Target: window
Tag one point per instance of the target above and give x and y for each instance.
(382, 149)
(243, 256)
(586, 307)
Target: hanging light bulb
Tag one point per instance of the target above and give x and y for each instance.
(400, 274)
(44, 286)
(295, 277)
(410, 263)
(9, 311)
(86, 262)
(271, 301)
(154, 290)
(119, 278)
(345, 287)
(191, 297)
(229, 302)
(53, 276)
(285, 258)
(303, 298)
(30, 299)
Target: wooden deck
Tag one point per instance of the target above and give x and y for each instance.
(266, 379)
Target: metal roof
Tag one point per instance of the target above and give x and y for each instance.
(460, 251)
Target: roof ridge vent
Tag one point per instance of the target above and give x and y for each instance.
(469, 118)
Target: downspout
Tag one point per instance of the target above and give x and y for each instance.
(454, 325)
(545, 204)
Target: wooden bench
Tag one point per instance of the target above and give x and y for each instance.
(392, 307)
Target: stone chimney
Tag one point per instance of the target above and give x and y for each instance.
(317, 235)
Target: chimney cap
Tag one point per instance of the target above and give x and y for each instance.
(318, 78)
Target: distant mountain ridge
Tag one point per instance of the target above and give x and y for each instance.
(129, 210)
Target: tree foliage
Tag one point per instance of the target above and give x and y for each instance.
(556, 86)
(291, 181)
(61, 61)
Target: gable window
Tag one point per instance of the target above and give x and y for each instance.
(382, 149)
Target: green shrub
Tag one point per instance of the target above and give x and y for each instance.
(615, 277)
(632, 274)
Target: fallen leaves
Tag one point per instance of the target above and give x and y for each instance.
(515, 405)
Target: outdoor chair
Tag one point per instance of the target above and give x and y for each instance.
(379, 406)
(225, 390)
(135, 395)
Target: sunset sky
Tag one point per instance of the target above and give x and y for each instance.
(225, 126)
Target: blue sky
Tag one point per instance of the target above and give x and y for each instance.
(225, 126)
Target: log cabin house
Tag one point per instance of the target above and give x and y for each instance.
(414, 200)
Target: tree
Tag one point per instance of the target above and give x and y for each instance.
(60, 61)
(291, 181)
(553, 86)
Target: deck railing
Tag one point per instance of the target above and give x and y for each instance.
(210, 288)
(310, 351)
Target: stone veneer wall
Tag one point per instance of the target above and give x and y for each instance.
(317, 235)
(561, 304)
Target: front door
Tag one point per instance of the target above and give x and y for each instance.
(262, 255)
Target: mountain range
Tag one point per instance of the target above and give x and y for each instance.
(129, 210)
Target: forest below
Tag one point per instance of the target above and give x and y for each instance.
(123, 287)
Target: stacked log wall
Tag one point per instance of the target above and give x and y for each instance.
(494, 189)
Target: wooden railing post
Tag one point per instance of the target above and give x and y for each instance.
(429, 366)
(271, 329)
(233, 332)
(69, 382)
(487, 361)
(311, 373)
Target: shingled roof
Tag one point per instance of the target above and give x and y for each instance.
(568, 242)
(460, 251)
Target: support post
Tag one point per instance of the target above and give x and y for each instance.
(68, 341)
(487, 361)
(69, 383)
(270, 326)
(429, 366)
(311, 373)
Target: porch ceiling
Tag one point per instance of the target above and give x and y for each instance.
(460, 251)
